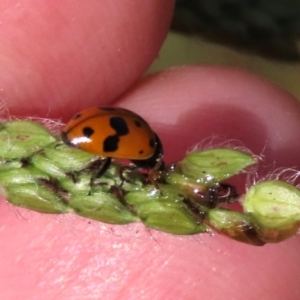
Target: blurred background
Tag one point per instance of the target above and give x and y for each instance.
(262, 36)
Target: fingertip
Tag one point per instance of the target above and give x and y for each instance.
(192, 103)
(60, 58)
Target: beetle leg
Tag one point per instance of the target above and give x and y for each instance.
(105, 163)
(125, 169)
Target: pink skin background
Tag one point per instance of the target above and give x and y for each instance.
(59, 57)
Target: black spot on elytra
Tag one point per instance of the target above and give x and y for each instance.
(137, 123)
(141, 151)
(110, 144)
(152, 143)
(77, 116)
(119, 125)
(87, 132)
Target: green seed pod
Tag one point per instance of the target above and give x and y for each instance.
(274, 204)
(208, 168)
(10, 165)
(69, 159)
(19, 139)
(44, 164)
(16, 177)
(76, 186)
(35, 197)
(102, 207)
(80, 184)
(165, 210)
(234, 225)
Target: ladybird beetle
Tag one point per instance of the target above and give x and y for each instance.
(114, 133)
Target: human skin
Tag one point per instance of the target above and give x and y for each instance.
(68, 257)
